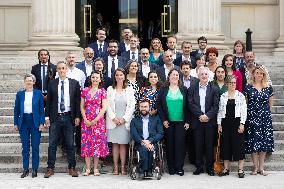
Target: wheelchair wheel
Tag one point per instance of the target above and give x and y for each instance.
(133, 174)
(157, 173)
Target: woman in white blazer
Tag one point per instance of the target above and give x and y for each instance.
(120, 109)
(231, 119)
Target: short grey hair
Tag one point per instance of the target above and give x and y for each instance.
(203, 68)
(30, 75)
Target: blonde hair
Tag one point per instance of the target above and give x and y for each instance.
(264, 81)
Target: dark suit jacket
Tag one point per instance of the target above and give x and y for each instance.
(161, 72)
(121, 63)
(52, 99)
(37, 108)
(193, 80)
(155, 129)
(121, 48)
(36, 71)
(126, 56)
(95, 47)
(211, 104)
(82, 67)
(178, 61)
(163, 108)
(195, 53)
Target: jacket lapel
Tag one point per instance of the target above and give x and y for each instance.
(208, 91)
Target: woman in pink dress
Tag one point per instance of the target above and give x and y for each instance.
(93, 132)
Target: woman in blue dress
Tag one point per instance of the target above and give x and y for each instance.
(259, 132)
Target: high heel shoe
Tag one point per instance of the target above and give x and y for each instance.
(123, 170)
(115, 170)
(87, 172)
(97, 172)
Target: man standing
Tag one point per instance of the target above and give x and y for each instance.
(87, 65)
(202, 44)
(203, 102)
(100, 46)
(171, 44)
(146, 131)
(125, 44)
(62, 113)
(186, 47)
(187, 79)
(133, 53)
(146, 66)
(168, 65)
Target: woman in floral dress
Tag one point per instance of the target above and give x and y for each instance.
(93, 133)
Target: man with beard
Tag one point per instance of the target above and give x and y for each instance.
(125, 44)
(146, 131)
(202, 44)
(146, 66)
(186, 48)
(87, 65)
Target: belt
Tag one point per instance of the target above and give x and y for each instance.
(63, 113)
(27, 114)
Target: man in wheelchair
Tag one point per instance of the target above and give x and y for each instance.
(146, 130)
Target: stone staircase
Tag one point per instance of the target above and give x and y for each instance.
(12, 70)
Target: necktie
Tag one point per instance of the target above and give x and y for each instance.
(43, 78)
(112, 67)
(133, 56)
(62, 107)
(100, 49)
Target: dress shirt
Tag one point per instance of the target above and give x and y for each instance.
(202, 96)
(41, 74)
(127, 47)
(186, 82)
(136, 54)
(66, 95)
(103, 43)
(109, 61)
(28, 104)
(145, 121)
(167, 70)
(145, 69)
(76, 74)
(185, 59)
(89, 68)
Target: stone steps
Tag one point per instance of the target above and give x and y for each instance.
(15, 138)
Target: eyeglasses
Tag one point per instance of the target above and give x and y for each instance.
(232, 83)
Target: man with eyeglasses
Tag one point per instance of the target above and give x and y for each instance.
(87, 65)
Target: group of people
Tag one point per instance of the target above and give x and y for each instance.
(120, 92)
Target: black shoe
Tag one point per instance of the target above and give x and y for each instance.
(149, 174)
(210, 172)
(198, 171)
(225, 172)
(34, 174)
(171, 171)
(180, 173)
(25, 173)
(241, 173)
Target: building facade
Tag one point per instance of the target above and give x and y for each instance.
(60, 25)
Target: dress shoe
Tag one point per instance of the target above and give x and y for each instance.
(149, 174)
(72, 172)
(198, 171)
(25, 173)
(34, 173)
(241, 173)
(49, 172)
(225, 172)
(210, 172)
(180, 173)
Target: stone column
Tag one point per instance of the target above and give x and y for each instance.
(202, 17)
(53, 26)
(279, 50)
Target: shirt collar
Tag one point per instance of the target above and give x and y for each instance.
(145, 117)
(98, 42)
(203, 87)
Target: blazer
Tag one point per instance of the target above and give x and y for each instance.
(82, 67)
(211, 104)
(240, 108)
(193, 80)
(126, 56)
(239, 80)
(121, 63)
(52, 99)
(95, 47)
(121, 48)
(37, 107)
(163, 108)
(130, 107)
(36, 71)
(161, 72)
(155, 129)
(178, 61)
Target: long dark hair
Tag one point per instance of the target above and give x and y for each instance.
(167, 83)
(234, 68)
(147, 83)
(114, 82)
(96, 60)
(101, 84)
(50, 73)
(215, 77)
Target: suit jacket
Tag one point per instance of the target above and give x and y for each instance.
(161, 72)
(193, 81)
(95, 47)
(178, 61)
(163, 108)
(121, 63)
(82, 67)
(121, 48)
(37, 108)
(161, 62)
(36, 71)
(127, 57)
(155, 129)
(211, 104)
(196, 52)
(52, 99)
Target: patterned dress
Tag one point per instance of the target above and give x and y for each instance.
(93, 138)
(259, 131)
(151, 95)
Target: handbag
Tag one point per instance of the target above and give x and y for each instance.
(217, 164)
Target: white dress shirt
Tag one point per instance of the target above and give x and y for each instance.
(202, 96)
(89, 68)
(145, 121)
(66, 95)
(76, 74)
(127, 47)
(166, 70)
(136, 54)
(145, 69)
(185, 59)
(28, 103)
(109, 62)
(186, 82)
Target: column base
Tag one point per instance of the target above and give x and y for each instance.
(279, 50)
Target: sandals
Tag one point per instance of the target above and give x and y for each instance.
(97, 172)
(123, 170)
(225, 172)
(263, 173)
(241, 173)
(115, 170)
(254, 172)
(87, 172)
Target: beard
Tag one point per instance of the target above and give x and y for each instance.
(144, 113)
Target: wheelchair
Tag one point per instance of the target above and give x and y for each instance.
(133, 163)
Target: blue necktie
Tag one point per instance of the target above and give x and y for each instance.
(44, 88)
(112, 67)
(100, 50)
(133, 56)
(62, 107)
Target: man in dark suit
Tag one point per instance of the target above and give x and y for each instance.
(203, 101)
(113, 61)
(62, 113)
(186, 47)
(125, 44)
(172, 44)
(145, 65)
(167, 66)
(146, 131)
(44, 71)
(87, 65)
(133, 53)
(202, 44)
(100, 46)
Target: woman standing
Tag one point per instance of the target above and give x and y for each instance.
(151, 91)
(239, 53)
(120, 109)
(229, 64)
(156, 51)
(200, 61)
(172, 111)
(28, 120)
(93, 132)
(219, 79)
(231, 119)
(259, 131)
